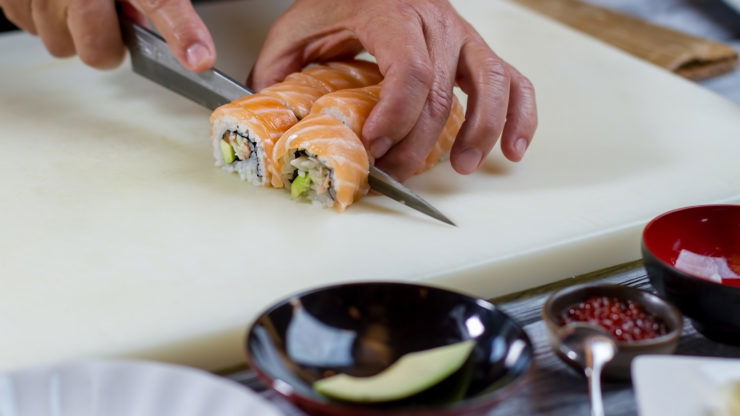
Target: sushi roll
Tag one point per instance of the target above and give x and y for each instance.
(243, 133)
(323, 161)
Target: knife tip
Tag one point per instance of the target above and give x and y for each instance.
(447, 221)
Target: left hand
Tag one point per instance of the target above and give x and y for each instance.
(90, 28)
(423, 48)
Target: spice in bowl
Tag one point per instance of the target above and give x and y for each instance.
(626, 320)
(639, 321)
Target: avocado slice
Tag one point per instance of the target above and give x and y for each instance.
(411, 374)
(227, 152)
(301, 184)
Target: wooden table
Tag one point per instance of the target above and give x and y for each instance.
(554, 388)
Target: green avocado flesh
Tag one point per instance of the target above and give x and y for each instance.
(411, 374)
(301, 184)
(228, 152)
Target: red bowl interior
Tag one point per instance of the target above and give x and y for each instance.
(702, 240)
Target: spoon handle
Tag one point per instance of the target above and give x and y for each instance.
(594, 388)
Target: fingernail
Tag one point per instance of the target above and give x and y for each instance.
(197, 54)
(380, 146)
(469, 159)
(521, 146)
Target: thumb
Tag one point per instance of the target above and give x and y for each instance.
(281, 54)
(273, 66)
(281, 57)
(304, 33)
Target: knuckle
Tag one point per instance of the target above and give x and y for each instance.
(526, 86)
(420, 70)
(439, 103)
(528, 103)
(493, 72)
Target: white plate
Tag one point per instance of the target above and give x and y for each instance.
(681, 386)
(130, 388)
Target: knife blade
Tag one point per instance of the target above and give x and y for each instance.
(152, 58)
(386, 185)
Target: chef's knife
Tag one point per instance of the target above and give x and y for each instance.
(152, 58)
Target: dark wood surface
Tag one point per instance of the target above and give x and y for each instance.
(555, 389)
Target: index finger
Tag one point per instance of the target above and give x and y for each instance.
(184, 31)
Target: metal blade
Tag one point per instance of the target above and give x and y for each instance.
(386, 185)
(152, 58)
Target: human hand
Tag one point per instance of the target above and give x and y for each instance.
(90, 28)
(423, 48)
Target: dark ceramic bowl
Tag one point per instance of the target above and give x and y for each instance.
(619, 367)
(709, 230)
(362, 328)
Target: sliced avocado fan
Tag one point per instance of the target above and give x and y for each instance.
(411, 374)
(301, 184)
(227, 152)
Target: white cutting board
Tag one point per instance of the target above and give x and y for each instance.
(118, 237)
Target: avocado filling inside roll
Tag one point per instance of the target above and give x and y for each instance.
(309, 178)
(240, 154)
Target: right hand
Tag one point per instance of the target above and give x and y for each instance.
(423, 48)
(90, 28)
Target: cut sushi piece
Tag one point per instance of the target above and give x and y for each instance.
(336, 79)
(300, 90)
(327, 159)
(298, 97)
(350, 106)
(243, 133)
(411, 374)
(300, 78)
(353, 106)
(367, 73)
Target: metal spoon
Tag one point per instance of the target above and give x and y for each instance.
(591, 347)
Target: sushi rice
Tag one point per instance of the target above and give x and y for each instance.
(249, 151)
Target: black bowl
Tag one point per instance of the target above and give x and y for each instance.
(712, 231)
(362, 328)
